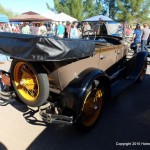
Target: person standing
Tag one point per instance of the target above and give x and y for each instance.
(67, 31)
(18, 29)
(1, 28)
(34, 29)
(42, 29)
(144, 38)
(74, 31)
(53, 28)
(7, 28)
(60, 30)
(86, 28)
(25, 29)
(128, 31)
(137, 34)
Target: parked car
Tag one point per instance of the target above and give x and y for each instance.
(76, 76)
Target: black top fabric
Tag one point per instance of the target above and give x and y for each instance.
(38, 48)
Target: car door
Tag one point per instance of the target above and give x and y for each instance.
(121, 51)
(69, 71)
(107, 56)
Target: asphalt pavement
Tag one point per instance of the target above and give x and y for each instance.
(124, 124)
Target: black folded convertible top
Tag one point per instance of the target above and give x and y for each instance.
(38, 48)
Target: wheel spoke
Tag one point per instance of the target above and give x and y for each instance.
(92, 105)
(31, 92)
(26, 81)
(30, 83)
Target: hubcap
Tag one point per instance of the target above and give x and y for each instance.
(26, 81)
(91, 107)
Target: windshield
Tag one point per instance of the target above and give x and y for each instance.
(103, 28)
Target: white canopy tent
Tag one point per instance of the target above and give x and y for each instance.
(58, 17)
(64, 17)
(99, 17)
(114, 28)
(49, 14)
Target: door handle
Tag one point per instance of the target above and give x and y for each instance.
(118, 52)
(102, 57)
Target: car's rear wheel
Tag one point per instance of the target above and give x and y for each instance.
(30, 82)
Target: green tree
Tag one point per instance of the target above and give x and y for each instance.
(91, 8)
(6, 12)
(143, 15)
(73, 8)
(133, 11)
(127, 10)
(79, 9)
(110, 7)
(76, 9)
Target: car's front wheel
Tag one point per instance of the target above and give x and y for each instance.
(92, 105)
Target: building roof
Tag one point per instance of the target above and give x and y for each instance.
(29, 16)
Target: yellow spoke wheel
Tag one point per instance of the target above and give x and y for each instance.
(30, 82)
(26, 81)
(92, 107)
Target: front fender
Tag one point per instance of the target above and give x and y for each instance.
(135, 64)
(74, 94)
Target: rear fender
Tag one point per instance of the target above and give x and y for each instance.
(74, 94)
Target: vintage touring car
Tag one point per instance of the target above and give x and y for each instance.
(75, 75)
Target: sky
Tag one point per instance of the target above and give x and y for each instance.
(21, 6)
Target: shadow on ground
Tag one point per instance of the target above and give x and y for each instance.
(126, 118)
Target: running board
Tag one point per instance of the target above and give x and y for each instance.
(120, 85)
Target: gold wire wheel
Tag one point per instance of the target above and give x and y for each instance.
(26, 81)
(92, 107)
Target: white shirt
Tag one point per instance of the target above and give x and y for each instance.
(74, 33)
(42, 30)
(145, 33)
